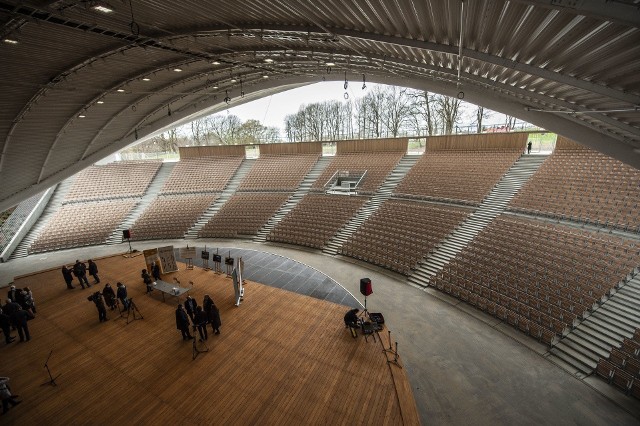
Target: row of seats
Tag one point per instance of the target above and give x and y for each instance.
(400, 233)
(584, 185)
(315, 219)
(548, 275)
(204, 174)
(243, 214)
(81, 224)
(377, 165)
(622, 367)
(170, 216)
(120, 179)
(278, 172)
(461, 176)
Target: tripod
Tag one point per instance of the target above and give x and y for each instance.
(52, 380)
(131, 310)
(392, 351)
(365, 313)
(196, 351)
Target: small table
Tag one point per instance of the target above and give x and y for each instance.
(168, 288)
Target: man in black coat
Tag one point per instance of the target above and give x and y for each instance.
(155, 270)
(80, 271)
(5, 325)
(121, 294)
(182, 323)
(14, 294)
(109, 296)
(10, 307)
(93, 271)
(201, 321)
(213, 313)
(68, 277)
(19, 320)
(99, 302)
(190, 305)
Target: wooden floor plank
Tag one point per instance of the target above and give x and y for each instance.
(281, 358)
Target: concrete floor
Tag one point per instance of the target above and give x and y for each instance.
(464, 367)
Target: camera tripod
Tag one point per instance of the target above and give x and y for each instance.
(131, 311)
(196, 351)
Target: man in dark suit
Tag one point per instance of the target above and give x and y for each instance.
(5, 325)
(19, 320)
(182, 323)
(80, 271)
(10, 307)
(190, 305)
(99, 302)
(93, 271)
(68, 278)
(121, 294)
(13, 294)
(155, 270)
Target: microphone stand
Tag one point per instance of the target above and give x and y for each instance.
(52, 380)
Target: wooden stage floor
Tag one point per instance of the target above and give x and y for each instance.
(281, 358)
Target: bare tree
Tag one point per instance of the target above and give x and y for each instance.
(199, 130)
(223, 130)
(448, 109)
(481, 114)
(397, 110)
(509, 122)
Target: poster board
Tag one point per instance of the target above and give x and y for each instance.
(167, 259)
(150, 256)
(188, 252)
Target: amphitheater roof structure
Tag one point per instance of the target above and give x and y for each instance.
(83, 79)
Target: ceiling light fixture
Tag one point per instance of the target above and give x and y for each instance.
(81, 116)
(103, 7)
(10, 41)
(233, 80)
(146, 79)
(215, 63)
(177, 69)
(268, 60)
(100, 102)
(120, 90)
(265, 76)
(331, 64)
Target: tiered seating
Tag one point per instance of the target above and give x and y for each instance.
(204, 174)
(244, 214)
(81, 224)
(622, 368)
(461, 176)
(315, 219)
(378, 166)
(114, 180)
(539, 278)
(401, 233)
(278, 172)
(584, 185)
(170, 216)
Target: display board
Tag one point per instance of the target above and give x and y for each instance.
(167, 259)
(187, 252)
(150, 256)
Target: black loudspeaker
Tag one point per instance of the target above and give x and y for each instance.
(126, 234)
(365, 286)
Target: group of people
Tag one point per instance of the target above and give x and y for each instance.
(111, 299)
(149, 279)
(19, 308)
(79, 270)
(200, 316)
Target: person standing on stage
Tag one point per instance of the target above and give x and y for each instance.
(109, 296)
(190, 305)
(121, 293)
(14, 294)
(5, 325)
(148, 281)
(6, 395)
(155, 270)
(29, 301)
(19, 320)
(182, 323)
(80, 271)
(68, 277)
(93, 271)
(99, 302)
(213, 313)
(201, 322)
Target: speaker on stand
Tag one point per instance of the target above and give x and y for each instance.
(126, 235)
(366, 289)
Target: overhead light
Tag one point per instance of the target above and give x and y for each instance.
(100, 102)
(233, 80)
(268, 60)
(103, 7)
(215, 86)
(10, 41)
(81, 116)
(215, 63)
(146, 79)
(331, 64)
(120, 90)
(177, 69)
(265, 76)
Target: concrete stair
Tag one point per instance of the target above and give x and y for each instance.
(382, 194)
(493, 204)
(618, 317)
(52, 207)
(295, 198)
(229, 190)
(152, 192)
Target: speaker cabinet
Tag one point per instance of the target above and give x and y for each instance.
(365, 286)
(126, 234)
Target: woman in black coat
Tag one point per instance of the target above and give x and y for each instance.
(213, 313)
